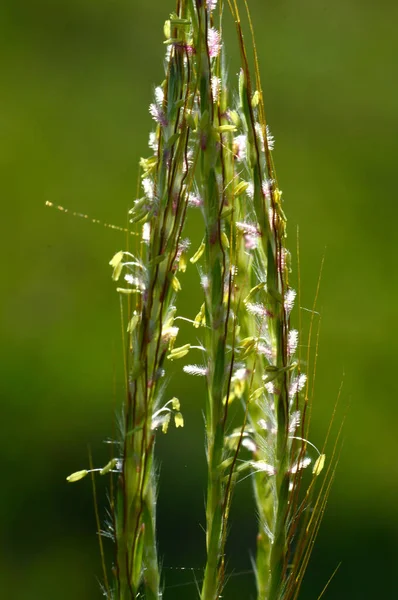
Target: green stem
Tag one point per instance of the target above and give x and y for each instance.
(272, 497)
(135, 522)
(216, 318)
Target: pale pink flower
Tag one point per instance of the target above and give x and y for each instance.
(194, 200)
(251, 234)
(158, 114)
(213, 42)
(240, 147)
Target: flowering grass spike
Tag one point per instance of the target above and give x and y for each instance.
(211, 154)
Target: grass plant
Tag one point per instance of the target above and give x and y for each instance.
(212, 153)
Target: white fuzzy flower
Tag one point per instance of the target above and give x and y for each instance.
(153, 142)
(135, 281)
(248, 443)
(302, 464)
(297, 385)
(240, 374)
(292, 341)
(204, 282)
(267, 426)
(195, 370)
(148, 187)
(250, 190)
(261, 465)
(260, 137)
(269, 386)
(289, 300)
(257, 309)
(270, 138)
(159, 95)
(215, 87)
(294, 421)
(146, 232)
(170, 333)
(267, 186)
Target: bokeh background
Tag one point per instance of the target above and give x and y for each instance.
(77, 78)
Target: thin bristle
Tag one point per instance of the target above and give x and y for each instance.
(98, 523)
(88, 218)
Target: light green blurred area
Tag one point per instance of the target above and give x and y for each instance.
(77, 78)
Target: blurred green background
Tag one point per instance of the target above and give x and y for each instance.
(77, 78)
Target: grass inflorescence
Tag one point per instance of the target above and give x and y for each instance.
(212, 153)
